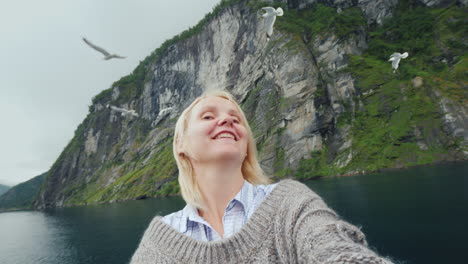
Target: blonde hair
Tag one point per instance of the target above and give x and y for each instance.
(251, 170)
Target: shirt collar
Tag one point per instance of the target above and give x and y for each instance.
(246, 194)
(190, 214)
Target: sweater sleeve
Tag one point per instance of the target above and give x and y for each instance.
(321, 237)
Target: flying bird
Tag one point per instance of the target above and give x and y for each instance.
(125, 112)
(162, 114)
(107, 55)
(165, 111)
(395, 59)
(270, 17)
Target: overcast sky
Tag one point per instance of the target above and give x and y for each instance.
(48, 75)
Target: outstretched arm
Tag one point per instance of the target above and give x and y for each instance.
(321, 237)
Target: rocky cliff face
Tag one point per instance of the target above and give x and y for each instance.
(306, 93)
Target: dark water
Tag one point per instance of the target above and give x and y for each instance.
(415, 216)
(419, 215)
(92, 234)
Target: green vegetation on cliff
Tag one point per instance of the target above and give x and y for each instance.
(319, 19)
(146, 181)
(21, 196)
(400, 123)
(142, 177)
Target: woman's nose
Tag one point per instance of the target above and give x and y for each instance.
(227, 120)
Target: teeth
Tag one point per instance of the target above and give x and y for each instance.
(225, 135)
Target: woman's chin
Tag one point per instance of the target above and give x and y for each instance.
(227, 155)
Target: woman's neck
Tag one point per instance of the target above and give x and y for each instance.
(219, 184)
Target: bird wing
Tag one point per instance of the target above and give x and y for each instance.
(395, 63)
(396, 54)
(268, 9)
(131, 112)
(269, 22)
(118, 109)
(103, 51)
(279, 11)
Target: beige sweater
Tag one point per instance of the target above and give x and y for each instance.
(292, 225)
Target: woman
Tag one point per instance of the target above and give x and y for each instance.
(233, 215)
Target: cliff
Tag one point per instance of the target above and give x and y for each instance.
(320, 96)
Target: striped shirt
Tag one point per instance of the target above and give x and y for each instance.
(238, 211)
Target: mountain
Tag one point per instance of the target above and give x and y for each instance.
(320, 96)
(3, 188)
(22, 195)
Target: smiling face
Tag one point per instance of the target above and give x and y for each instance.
(216, 131)
(197, 137)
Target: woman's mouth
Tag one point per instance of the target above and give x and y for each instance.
(225, 135)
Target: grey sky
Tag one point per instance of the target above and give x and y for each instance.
(49, 75)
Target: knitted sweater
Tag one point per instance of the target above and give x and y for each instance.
(291, 225)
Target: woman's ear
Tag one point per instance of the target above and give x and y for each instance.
(181, 150)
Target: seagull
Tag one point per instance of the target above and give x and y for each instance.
(107, 55)
(162, 114)
(270, 17)
(125, 112)
(395, 59)
(165, 111)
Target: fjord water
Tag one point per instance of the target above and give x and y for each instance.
(417, 215)
(91, 234)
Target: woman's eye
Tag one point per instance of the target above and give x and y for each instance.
(207, 117)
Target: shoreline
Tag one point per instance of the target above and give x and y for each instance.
(319, 177)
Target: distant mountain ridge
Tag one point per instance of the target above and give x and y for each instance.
(22, 195)
(4, 188)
